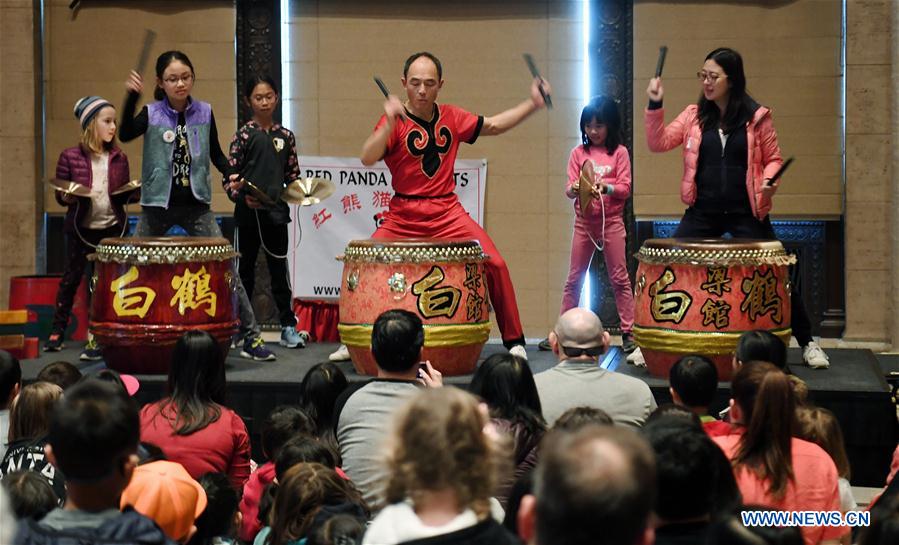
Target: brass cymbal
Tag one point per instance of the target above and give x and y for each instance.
(71, 188)
(307, 191)
(258, 194)
(585, 186)
(130, 186)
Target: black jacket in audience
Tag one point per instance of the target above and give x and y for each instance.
(129, 528)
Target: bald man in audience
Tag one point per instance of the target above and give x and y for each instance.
(578, 340)
(592, 487)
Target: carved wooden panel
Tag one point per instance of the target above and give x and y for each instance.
(258, 28)
(258, 39)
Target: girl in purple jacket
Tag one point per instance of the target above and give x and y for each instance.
(97, 163)
(602, 226)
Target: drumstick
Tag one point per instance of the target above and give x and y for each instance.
(783, 168)
(661, 62)
(536, 73)
(149, 38)
(382, 87)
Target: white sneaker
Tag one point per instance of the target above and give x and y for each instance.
(636, 358)
(815, 357)
(341, 354)
(518, 350)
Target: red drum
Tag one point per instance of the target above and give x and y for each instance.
(441, 281)
(37, 295)
(696, 296)
(147, 292)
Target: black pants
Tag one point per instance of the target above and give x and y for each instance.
(704, 224)
(275, 239)
(76, 263)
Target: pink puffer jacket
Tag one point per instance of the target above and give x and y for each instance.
(761, 141)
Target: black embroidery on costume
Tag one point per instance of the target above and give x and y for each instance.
(427, 145)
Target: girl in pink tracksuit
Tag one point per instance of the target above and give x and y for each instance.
(602, 226)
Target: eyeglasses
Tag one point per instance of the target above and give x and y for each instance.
(573, 352)
(710, 76)
(173, 80)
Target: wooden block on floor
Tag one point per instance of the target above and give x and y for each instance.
(12, 342)
(13, 317)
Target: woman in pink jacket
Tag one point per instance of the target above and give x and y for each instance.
(602, 226)
(730, 154)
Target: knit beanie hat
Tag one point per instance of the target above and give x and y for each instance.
(87, 107)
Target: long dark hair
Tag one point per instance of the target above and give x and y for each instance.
(196, 383)
(604, 110)
(506, 384)
(319, 390)
(740, 106)
(163, 62)
(765, 396)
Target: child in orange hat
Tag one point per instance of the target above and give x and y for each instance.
(166, 493)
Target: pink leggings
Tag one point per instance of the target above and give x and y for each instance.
(614, 252)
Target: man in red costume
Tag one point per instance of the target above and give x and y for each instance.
(419, 139)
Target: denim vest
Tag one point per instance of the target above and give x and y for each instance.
(159, 145)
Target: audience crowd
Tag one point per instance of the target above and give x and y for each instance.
(573, 455)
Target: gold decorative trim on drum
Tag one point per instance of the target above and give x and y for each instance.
(714, 252)
(703, 342)
(413, 251)
(440, 281)
(437, 336)
(697, 296)
(163, 250)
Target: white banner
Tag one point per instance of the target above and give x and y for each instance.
(361, 198)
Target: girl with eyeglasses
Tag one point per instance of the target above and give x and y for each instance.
(730, 154)
(180, 140)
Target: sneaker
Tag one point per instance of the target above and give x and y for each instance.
(254, 349)
(54, 343)
(518, 350)
(341, 354)
(544, 345)
(627, 343)
(815, 357)
(636, 358)
(291, 338)
(91, 351)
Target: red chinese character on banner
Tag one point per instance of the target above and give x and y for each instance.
(350, 203)
(319, 218)
(381, 198)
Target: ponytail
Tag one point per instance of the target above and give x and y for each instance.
(766, 398)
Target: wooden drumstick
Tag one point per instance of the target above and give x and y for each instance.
(532, 66)
(149, 38)
(783, 168)
(382, 87)
(660, 64)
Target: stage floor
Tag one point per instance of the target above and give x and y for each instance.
(853, 388)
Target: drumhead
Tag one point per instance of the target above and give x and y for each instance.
(714, 251)
(163, 250)
(418, 250)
